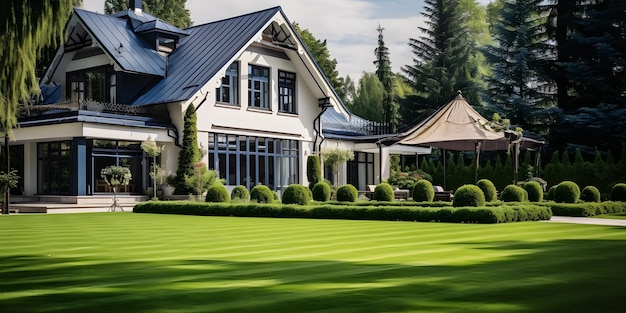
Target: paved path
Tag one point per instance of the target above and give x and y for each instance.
(587, 220)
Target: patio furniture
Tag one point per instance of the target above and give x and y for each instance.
(443, 195)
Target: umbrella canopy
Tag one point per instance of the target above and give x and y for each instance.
(456, 126)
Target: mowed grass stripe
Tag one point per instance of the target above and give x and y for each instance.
(151, 263)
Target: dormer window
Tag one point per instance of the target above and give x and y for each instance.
(96, 84)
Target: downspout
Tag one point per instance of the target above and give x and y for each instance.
(317, 127)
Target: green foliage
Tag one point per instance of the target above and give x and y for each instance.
(261, 194)
(586, 209)
(618, 192)
(201, 178)
(383, 192)
(171, 11)
(567, 192)
(390, 212)
(116, 175)
(217, 193)
(240, 193)
(534, 190)
(513, 193)
(468, 196)
(368, 102)
(550, 195)
(423, 191)
(489, 190)
(296, 194)
(189, 154)
(7, 181)
(336, 156)
(347, 193)
(313, 170)
(590, 194)
(387, 78)
(406, 180)
(321, 191)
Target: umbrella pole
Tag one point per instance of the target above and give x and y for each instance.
(477, 151)
(444, 170)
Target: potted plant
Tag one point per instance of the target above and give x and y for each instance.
(116, 176)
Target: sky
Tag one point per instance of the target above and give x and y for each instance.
(349, 26)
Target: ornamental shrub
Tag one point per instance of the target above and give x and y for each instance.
(296, 194)
(618, 192)
(240, 192)
(567, 192)
(423, 191)
(321, 191)
(488, 188)
(550, 195)
(261, 194)
(534, 190)
(313, 170)
(217, 193)
(468, 195)
(347, 193)
(590, 194)
(513, 193)
(383, 192)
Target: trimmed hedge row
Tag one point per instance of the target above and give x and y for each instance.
(482, 215)
(586, 209)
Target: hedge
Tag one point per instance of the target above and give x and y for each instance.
(483, 215)
(586, 209)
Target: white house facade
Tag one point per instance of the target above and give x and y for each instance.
(262, 104)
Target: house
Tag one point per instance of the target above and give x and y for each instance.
(262, 103)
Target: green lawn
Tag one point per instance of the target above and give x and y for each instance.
(614, 216)
(124, 262)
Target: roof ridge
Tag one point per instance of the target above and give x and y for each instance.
(275, 8)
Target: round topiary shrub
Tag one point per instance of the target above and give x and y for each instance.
(618, 192)
(347, 193)
(468, 195)
(383, 192)
(321, 191)
(489, 189)
(513, 193)
(423, 191)
(261, 194)
(217, 193)
(535, 191)
(240, 193)
(567, 192)
(296, 194)
(590, 194)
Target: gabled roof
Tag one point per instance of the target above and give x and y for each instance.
(199, 56)
(120, 42)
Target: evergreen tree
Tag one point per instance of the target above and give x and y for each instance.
(387, 78)
(320, 53)
(517, 88)
(189, 153)
(444, 57)
(369, 99)
(171, 11)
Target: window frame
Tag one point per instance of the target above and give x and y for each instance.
(264, 88)
(78, 84)
(232, 83)
(287, 89)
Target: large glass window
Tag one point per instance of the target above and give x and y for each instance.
(258, 87)
(229, 91)
(54, 167)
(120, 153)
(361, 170)
(97, 84)
(287, 92)
(250, 161)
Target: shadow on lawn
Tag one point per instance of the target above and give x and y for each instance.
(564, 276)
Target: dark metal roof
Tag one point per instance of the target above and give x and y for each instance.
(159, 26)
(122, 44)
(95, 117)
(50, 93)
(200, 56)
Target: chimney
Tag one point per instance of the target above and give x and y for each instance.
(135, 5)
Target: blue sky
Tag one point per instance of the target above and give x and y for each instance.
(349, 26)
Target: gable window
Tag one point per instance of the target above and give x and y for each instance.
(258, 87)
(229, 91)
(287, 92)
(97, 84)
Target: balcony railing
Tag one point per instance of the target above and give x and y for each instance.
(30, 110)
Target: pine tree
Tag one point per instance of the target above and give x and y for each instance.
(171, 11)
(189, 153)
(517, 88)
(369, 98)
(387, 78)
(444, 57)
